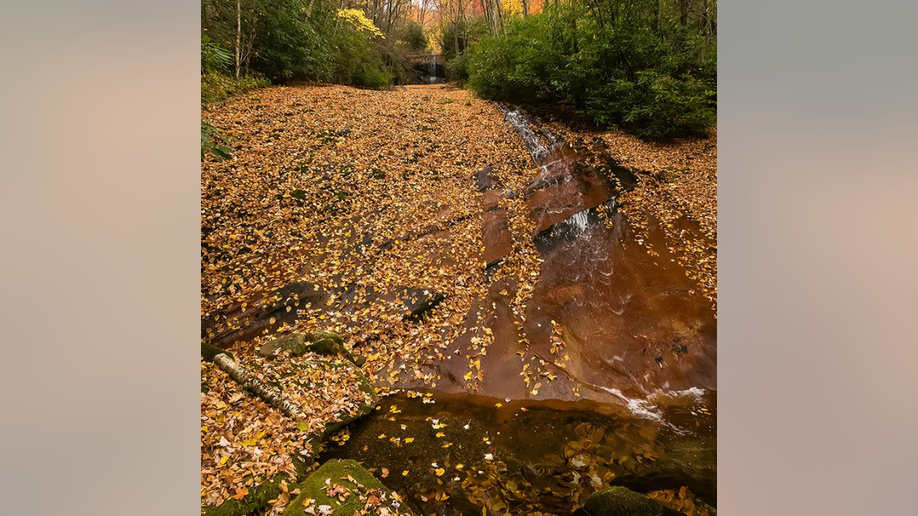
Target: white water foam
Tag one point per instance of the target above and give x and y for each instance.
(693, 392)
(642, 408)
(537, 151)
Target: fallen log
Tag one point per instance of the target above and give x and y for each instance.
(239, 373)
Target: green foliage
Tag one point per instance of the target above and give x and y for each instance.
(291, 40)
(357, 62)
(215, 86)
(213, 142)
(291, 45)
(658, 83)
(214, 59)
(655, 106)
(457, 69)
(414, 37)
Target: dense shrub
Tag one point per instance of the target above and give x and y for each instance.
(656, 83)
(654, 106)
(458, 68)
(216, 86)
(291, 40)
(357, 62)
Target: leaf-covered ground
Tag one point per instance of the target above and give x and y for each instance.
(363, 199)
(245, 441)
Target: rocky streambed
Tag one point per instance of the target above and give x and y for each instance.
(531, 344)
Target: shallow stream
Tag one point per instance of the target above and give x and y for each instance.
(619, 346)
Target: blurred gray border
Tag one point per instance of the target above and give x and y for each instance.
(99, 205)
(817, 241)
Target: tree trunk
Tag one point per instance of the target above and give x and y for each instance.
(683, 12)
(525, 7)
(499, 16)
(238, 35)
(273, 396)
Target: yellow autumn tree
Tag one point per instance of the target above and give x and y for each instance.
(513, 6)
(359, 21)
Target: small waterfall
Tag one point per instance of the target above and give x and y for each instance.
(579, 221)
(432, 68)
(537, 150)
(574, 225)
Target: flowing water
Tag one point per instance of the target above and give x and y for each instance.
(608, 378)
(432, 76)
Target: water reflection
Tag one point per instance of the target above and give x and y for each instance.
(459, 454)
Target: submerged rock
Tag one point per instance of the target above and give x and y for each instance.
(621, 501)
(344, 487)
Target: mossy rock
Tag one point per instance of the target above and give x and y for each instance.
(621, 501)
(253, 502)
(317, 440)
(337, 473)
(323, 342)
(209, 351)
(294, 342)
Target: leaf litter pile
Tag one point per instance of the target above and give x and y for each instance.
(342, 210)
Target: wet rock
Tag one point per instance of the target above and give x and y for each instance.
(420, 301)
(346, 479)
(620, 501)
(271, 312)
(483, 180)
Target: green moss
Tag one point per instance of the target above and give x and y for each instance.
(337, 472)
(330, 343)
(209, 351)
(253, 502)
(323, 342)
(620, 501)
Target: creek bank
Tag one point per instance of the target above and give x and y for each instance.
(266, 416)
